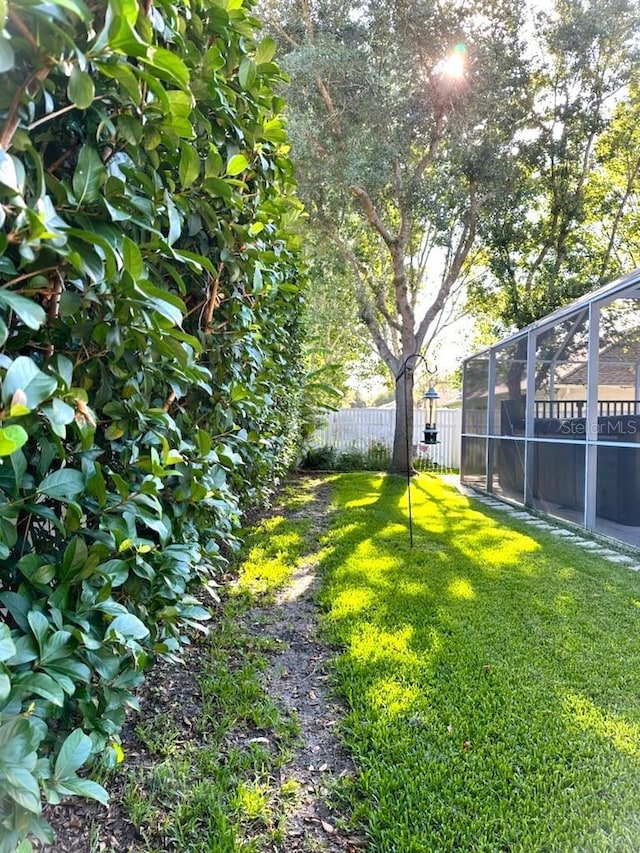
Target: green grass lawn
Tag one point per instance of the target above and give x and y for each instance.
(492, 674)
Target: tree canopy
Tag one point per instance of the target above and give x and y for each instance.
(402, 116)
(561, 229)
(484, 148)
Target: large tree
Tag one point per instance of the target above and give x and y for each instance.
(403, 118)
(564, 228)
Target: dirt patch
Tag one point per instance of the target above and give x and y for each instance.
(297, 678)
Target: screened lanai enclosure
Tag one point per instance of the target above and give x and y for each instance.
(551, 415)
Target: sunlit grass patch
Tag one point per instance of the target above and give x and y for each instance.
(252, 801)
(274, 548)
(586, 715)
(492, 673)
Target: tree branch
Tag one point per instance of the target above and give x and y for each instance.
(328, 102)
(465, 244)
(22, 28)
(12, 121)
(631, 180)
(367, 309)
(372, 215)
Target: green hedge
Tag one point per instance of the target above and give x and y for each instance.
(149, 354)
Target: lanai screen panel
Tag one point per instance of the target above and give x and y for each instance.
(507, 430)
(618, 423)
(475, 411)
(558, 462)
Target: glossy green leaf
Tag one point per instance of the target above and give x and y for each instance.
(7, 647)
(56, 648)
(75, 750)
(76, 6)
(42, 685)
(92, 238)
(65, 484)
(237, 164)
(31, 314)
(90, 173)
(169, 66)
(59, 414)
(81, 89)
(39, 625)
(67, 665)
(18, 740)
(218, 188)
(213, 61)
(132, 259)
(125, 76)
(24, 376)
(12, 438)
(129, 626)
(18, 606)
(75, 556)
(23, 787)
(162, 301)
(247, 73)
(82, 787)
(189, 169)
(5, 688)
(181, 103)
(265, 50)
(45, 512)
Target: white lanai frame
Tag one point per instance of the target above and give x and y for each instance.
(519, 462)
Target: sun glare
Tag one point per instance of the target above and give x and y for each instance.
(453, 66)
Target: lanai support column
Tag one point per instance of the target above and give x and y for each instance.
(591, 425)
(529, 418)
(491, 418)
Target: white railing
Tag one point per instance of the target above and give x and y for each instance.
(359, 429)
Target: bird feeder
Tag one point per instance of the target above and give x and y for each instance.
(430, 430)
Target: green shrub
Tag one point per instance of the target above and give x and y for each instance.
(423, 463)
(318, 459)
(377, 457)
(149, 316)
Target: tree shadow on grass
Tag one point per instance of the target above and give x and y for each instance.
(492, 674)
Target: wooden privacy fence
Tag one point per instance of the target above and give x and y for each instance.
(362, 429)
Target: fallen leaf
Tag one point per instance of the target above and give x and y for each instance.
(327, 827)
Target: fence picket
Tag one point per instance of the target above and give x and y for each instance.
(358, 429)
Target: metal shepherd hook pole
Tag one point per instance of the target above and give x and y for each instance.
(408, 366)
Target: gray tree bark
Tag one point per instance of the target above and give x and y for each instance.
(402, 457)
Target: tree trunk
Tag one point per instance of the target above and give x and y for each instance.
(402, 460)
